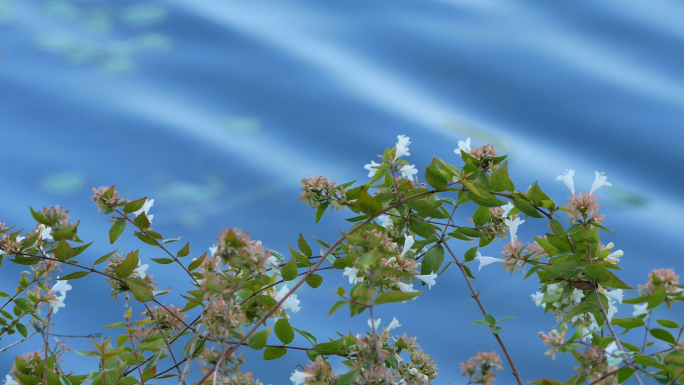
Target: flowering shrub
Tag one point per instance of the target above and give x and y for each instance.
(402, 232)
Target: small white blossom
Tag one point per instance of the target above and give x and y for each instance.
(463, 146)
(612, 309)
(413, 371)
(372, 168)
(58, 303)
(393, 325)
(615, 255)
(213, 250)
(385, 221)
(599, 182)
(407, 245)
(298, 378)
(429, 279)
(513, 227)
(351, 272)
(610, 349)
(406, 288)
(402, 147)
(408, 171)
(141, 270)
(9, 380)
(577, 295)
(566, 177)
(640, 309)
(484, 261)
(44, 232)
(291, 303)
(145, 209)
(537, 298)
(374, 324)
(61, 286)
(507, 209)
(615, 294)
(553, 288)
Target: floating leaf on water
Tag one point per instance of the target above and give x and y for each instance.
(64, 183)
(242, 125)
(144, 15)
(62, 9)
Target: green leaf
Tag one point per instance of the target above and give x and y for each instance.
(309, 337)
(495, 329)
(128, 265)
(434, 177)
(657, 298)
(490, 319)
(421, 228)
(597, 272)
(628, 323)
(500, 181)
(284, 331)
(624, 373)
(197, 262)
(303, 246)
(504, 319)
(565, 269)
(141, 292)
(615, 282)
(289, 270)
(321, 210)
(432, 260)
(68, 232)
(668, 324)
(367, 204)
(395, 296)
(40, 218)
(24, 304)
(470, 232)
(546, 381)
(21, 329)
(349, 377)
(426, 209)
(78, 250)
(579, 309)
(145, 238)
(470, 254)
(104, 258)
(526, 208)
(273, 353)
(63, 251)
(64, 380)
(663, 335)
(184, 251)
(482, 216)
(557, 228)
(76, 275)
(142, 221)
(134, 206)
(336, 306)
(257, 341)
(163, 261)
(468, 272)
(314, 280)
(116, 230)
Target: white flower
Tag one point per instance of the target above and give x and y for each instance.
(406, 288)
(537, 298)
(298, 377)
(408, 171)
(291, 303)
(484, 261)
(9, 380)
(610, 349)
(578, 317)
(566, 177)
(421, 377)
(586, 333)
(553, 288)
(429, 279)
(612, 309)
(615, 255)
(593, 325)
(44, 231)
(640, 309)
(57, 304)
(145, 209)
(393, 325)
(599, 182)
(351, 273)
(141, 270)
(402, 147)
(399, 359)
(273, 261)
(577, 295)
(463, 146)
(385, 221)
(372, 168)
(407, 245)
(213, 250)
(413, 371)
(507, 208)
(615, 294)
(374, 325)
(513, 227)
(61, 286)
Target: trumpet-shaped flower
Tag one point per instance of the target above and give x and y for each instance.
(9, 380)
(599, 182)
(351, 272)
(577, 295)
(429, 279)
(394, 324)
(291, 303)
(615, 255)
(213, 250)
(407, 245)
(537, 298)
(58, 303)
(402, 147)
(374, 324)
(406, 288)
(566, 177)
(44, 232)
(484, 261)
(507, 209)
(61, 286)
(385, 221)
(408, 171)
(513, 227)
(141, 270)
(298, 378)
(463, 146)
(640, 309)
(372, 168)
(615, 294)
(145, 209)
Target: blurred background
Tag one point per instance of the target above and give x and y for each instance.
(217, 110)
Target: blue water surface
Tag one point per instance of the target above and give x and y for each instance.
(218, 108)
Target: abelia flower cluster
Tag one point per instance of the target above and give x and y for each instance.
(238, 251)
(319, 190)
(593, 365)
(107, 199)
(665, 277)
(317, 372)
(57, 216)
(555, 339)
(480, 369)
(166, 319)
